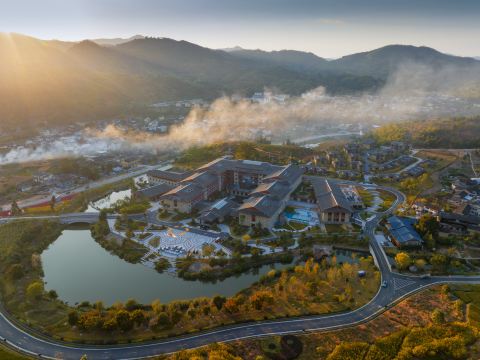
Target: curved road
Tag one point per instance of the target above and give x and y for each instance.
(399, 287)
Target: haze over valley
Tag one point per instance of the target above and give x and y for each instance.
(107, 84)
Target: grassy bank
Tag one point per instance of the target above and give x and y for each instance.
(8, 354)
(429, 325)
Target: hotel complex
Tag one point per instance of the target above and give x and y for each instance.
(254, 192)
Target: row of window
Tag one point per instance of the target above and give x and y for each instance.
(336, 217)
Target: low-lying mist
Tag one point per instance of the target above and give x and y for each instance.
(413, 92)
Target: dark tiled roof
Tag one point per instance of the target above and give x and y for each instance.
(265, 206)
(289, 173)
(155, 190)
(402, 230)
(329, 195)
(276, 189)
(201, 178)
(467, 219)
(218, 210)
(185, 192)
(224, 164)
(168, 175)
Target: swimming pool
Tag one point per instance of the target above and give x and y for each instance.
(303, 216)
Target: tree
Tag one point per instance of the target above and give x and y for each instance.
(458, 306)
(15, 209)
(191, 312)
(35, 290)
(428, 224)
(99, 305)
(163, 319)
(138, 317)
(208, 250)
(255, 252)
(73, 317)
(110, 324)
(420, 264)
(438, 260)
(403, 260)
(131, 304)
(15, 272)
(231, 305)
(261, 298)
(90, 321)
(157, 306)
(53, 202)
(218, 301)
(438, 317)
(124, 321)
(52, 294)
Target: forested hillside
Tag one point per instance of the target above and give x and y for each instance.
(60, 82)
(438, 133)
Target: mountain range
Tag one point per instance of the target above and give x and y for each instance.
(57, 81)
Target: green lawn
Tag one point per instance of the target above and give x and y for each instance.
(335, 228)
(367, 196)
(155, 242)
(387, 200)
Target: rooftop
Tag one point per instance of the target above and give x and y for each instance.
(265, 206)
(185, 192)
(329, 195)
(402, 229)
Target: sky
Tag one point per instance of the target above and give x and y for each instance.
(328, 28)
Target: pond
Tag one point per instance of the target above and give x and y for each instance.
(79, 269)
(108, 201)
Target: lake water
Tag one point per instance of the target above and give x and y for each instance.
(79, 269)
(108, 200)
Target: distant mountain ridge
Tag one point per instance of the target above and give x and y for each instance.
(67, 81)
(379, 63)
(116, 41)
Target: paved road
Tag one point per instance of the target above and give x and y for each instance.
(399, 287)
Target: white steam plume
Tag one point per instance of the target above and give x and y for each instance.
(413, 92)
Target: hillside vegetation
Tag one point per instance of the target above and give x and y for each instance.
(456, 133)
(54, 81)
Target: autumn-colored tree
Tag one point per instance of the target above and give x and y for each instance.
(90, 321)
(438, 317)
(218, 301)
(110, 324)
(261, 298)
(420, 264)
(157, 306)
(138, 317)
(72, 317)
(402, 260)
(124, 321)
(231, 305)
(35, 290)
